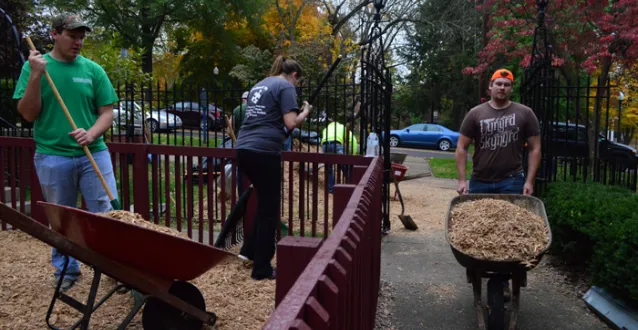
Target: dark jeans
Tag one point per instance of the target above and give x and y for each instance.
(264, 172)
(334, 147)
(513, 184)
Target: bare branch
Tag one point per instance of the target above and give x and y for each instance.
(345, 19)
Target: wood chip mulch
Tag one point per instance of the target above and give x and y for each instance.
(498, 230)
(27, 286)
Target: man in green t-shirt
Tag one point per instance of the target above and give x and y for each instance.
(239, 114)
(60, 163)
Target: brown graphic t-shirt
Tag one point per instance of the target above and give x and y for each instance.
(499, 136)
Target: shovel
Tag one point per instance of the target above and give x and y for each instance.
(407, 221)
(115, 204)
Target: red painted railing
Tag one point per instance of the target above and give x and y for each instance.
(159, 183)
(335, 282)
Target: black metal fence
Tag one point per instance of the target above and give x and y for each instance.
(10, 64)
(579, 120)
(195, 115)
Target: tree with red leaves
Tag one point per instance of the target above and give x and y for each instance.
(587, 35)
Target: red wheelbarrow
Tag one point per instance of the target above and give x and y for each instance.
(156, 266)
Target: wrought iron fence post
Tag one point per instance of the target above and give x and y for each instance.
(376, 96)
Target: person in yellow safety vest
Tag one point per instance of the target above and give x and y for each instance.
(333, 140)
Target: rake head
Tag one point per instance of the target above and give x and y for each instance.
(232, 231)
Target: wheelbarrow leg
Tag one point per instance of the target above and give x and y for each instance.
(139, 300)
(88, 308)
(519, 279)
(474, 276)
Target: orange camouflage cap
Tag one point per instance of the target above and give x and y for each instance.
(502, 73)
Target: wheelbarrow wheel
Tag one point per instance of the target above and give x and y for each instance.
(159, 315)
(496, 304)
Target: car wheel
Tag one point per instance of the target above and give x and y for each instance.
(444, 145)
(394, 141)
(152, 125)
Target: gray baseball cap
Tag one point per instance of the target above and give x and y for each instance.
(69, 21)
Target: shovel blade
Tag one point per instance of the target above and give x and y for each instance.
(408, 223)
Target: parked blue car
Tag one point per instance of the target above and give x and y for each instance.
(425, 135)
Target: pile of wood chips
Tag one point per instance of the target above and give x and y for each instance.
(497, 230)
(27, 287)
(138, 220)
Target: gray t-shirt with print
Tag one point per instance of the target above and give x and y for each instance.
(263, 128)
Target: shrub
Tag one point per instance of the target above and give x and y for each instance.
(614, 265)
(596, 225)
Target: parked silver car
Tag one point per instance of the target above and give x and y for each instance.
(156, 120)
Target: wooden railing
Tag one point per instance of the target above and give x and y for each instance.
(333, 284)
(164, 185)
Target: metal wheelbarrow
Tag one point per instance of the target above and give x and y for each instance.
(155, 265)
(497, 272)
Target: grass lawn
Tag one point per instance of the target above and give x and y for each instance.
(446, 168)
(178, 140)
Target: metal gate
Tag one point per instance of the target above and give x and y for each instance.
(11, 61)
(577, 117)
(376, 96)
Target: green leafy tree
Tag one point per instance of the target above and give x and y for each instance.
(254, 64)
(141, 22)
(444, 42)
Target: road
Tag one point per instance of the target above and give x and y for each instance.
(421, 153)
(424, 153)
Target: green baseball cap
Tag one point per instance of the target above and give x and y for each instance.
(69, 21)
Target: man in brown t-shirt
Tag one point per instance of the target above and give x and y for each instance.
(500, 128)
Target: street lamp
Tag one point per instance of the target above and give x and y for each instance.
(621, 97)
(216, 70)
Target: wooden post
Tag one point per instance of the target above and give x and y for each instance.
(342, 194)
(140, 177)
(293, 255)
(357, 173)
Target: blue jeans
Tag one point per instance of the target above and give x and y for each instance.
(287, 144)
(513, 184)
(332, 147)
(60, 179)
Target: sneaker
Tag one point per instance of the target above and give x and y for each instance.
(122, 289)
(67, 283)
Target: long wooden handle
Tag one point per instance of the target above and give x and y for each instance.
(68, 116)
(230, 130)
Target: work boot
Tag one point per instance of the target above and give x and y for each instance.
(272, 276)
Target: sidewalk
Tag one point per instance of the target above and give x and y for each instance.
(417, 168)
(428, 287)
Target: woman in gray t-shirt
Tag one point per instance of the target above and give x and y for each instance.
(271, 110)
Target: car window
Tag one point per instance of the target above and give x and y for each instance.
(192, 106)
(433, 128)
(417, 127)
(178, 106)
(577, 134)
(570, 133)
